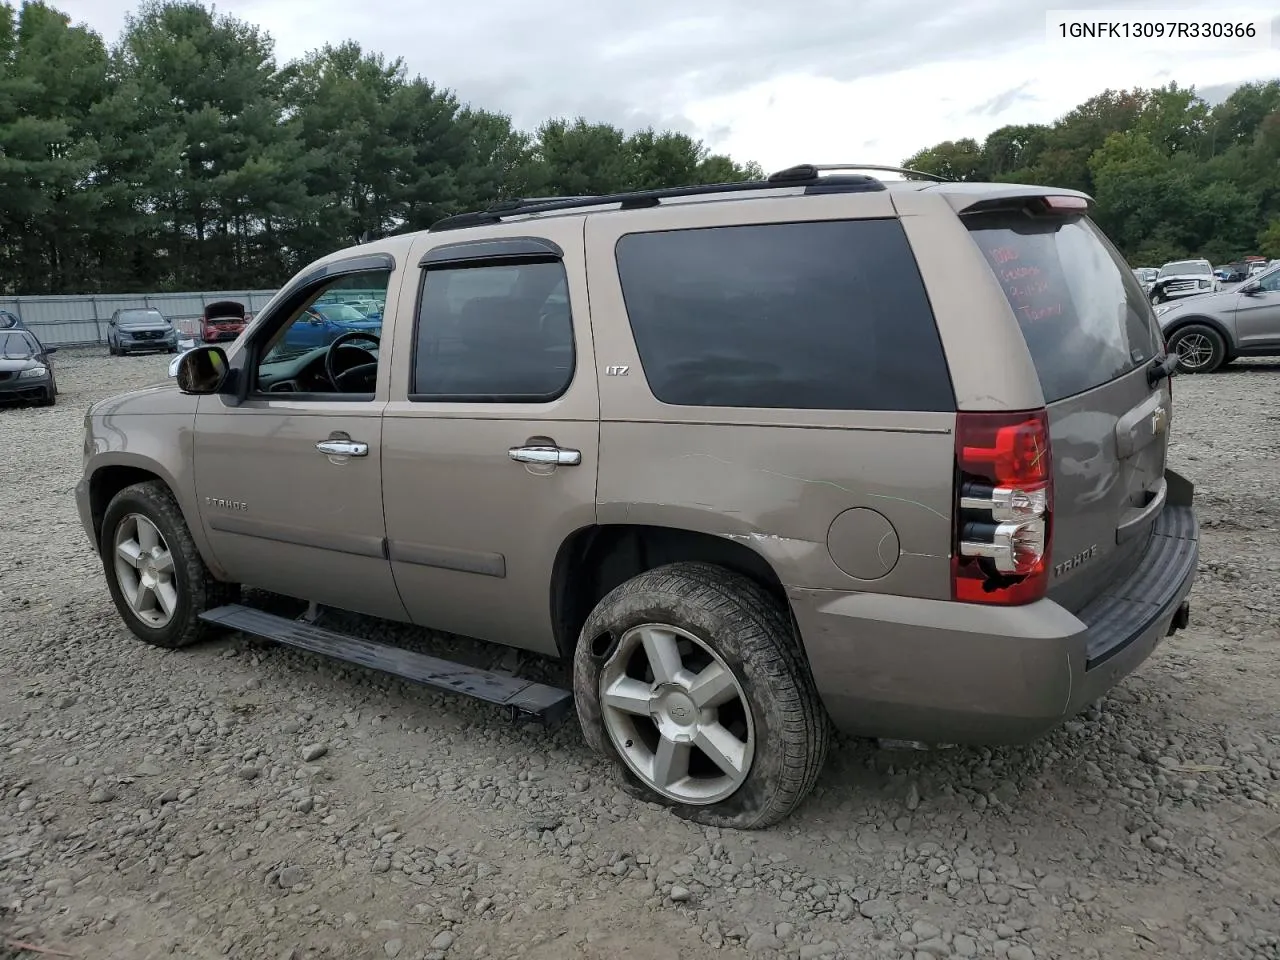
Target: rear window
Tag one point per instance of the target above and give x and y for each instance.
(1082, 313)
(829, 315)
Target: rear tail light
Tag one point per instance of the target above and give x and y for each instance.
(1004, 507)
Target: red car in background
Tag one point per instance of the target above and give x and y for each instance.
(222, 321)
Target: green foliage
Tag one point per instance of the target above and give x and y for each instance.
(185, 157)
(1173, 177)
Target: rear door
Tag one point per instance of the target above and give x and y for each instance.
(491, 436)
(1092, 336)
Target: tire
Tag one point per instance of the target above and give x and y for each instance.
(194, 589)
(111, 350)
(716, 618)
(1199, 347)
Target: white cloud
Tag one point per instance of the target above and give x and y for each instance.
(803, 118)
(828, 82)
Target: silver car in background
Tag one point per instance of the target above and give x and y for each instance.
(1241, 320)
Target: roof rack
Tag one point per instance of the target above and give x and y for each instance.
(807, 176)
(830, 167)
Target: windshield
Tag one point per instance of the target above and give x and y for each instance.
(134, 318)
(1184, 267)
(16, 346)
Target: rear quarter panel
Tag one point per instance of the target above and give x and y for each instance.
(773, 480)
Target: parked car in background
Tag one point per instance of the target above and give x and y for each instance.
(1242, 320)
(942, 516)
(1146, 276)
(322, 323)
(26, 374)
(1231, 273)
(138, 331)
(1183, 278)
(222, 321)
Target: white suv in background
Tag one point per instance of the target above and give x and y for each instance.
(1184, 278)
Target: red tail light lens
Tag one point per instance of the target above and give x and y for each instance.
(1004, 507)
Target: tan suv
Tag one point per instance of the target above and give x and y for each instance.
(760, 459)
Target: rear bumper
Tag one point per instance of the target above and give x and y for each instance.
(943, 672)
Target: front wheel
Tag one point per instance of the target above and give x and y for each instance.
(1199, 348)
(691, 680)
(155, 574)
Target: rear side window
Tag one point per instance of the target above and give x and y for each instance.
(494, 333)
(827, 315)
(1082, 313)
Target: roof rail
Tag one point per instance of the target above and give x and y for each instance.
(807, 177)
(817, 168)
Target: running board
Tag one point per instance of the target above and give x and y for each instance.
(524, 699)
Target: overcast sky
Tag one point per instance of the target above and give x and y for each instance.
(823, 81)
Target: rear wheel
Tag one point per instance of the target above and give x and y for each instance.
(1200, 348)
(155, 574)
(690, 679)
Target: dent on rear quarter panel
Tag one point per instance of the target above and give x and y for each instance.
(778, 489)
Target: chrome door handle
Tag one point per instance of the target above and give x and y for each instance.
(343, 448)
(556, 456)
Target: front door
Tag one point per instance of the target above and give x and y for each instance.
(490, 435)
(289, 481)
(1258, 314)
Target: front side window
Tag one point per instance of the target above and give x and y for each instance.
(325, 346)
(827, 315)
(494, 333)
(1271, 282)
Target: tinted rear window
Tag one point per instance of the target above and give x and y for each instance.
(1084, 316)
(825, 315)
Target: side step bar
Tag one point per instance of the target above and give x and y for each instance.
(524, 699)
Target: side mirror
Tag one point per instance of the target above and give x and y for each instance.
(1251, 289)
(50, 351)
(201, 370)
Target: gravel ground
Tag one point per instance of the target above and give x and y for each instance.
(244, 800)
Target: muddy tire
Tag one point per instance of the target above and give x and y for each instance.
(690, 678)
(1199, 347)
(156, 576)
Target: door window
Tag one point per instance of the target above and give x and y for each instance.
(494, 333)
(327, 346)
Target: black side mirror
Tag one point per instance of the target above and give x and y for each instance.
(1251, 289)
(202, 370)
(50, 351)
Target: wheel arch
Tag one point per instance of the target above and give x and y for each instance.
(594, 559)
(110, 478)
(1217, 325)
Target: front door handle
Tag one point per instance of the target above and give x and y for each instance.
(343, 448)
(555, 456)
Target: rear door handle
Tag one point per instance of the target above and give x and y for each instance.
(343, 448)
(555, 456)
